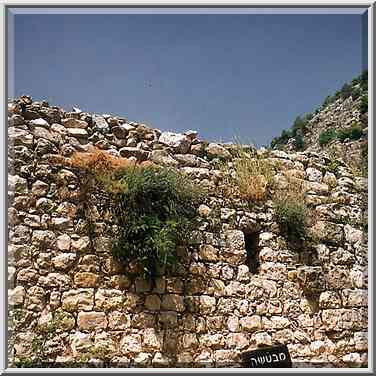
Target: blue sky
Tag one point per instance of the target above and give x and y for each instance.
(236, 75)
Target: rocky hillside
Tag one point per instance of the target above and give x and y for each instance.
(338, 127)
(277, 254)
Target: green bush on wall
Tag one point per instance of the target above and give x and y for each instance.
(291, 216)
(152, 215)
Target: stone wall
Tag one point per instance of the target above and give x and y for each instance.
(239, 285)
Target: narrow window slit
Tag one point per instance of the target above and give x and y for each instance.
(252, 248)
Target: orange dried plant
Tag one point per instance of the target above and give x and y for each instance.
(99, 161)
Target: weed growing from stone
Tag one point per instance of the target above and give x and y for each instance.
(251, 174)
(291, 216)
(291, 212)
(39, 344)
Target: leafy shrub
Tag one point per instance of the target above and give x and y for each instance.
(299, 142)
(356, 132)
(152, 215)
(328, 100)
(299, 127)
(363, 108)
(253, 174)
(281, 140)
(356, 93)
(356, 81)
(25, 363)
(327, 136)
(353, 133)
(332, 166)
(346, 91)
(299, 124)
(364, 80)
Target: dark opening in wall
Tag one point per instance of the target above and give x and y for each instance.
(252, 248)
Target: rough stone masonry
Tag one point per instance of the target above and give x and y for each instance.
(216, 306)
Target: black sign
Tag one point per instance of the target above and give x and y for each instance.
(268, 357)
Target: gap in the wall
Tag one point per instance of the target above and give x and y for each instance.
(252, 248)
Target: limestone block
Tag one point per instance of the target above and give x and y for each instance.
(152, 339)
(86, 279)
(118, 320)
(16, 296)
(311, 278)
(251, 323)
(108, 299)
(80, 299)
(173, 302)
(355, 298)
(329, 299)
(131, 343)
(91, 320)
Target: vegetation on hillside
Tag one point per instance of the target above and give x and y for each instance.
(355, 132)
(357, 88)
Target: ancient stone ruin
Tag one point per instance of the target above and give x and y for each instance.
(241, 282)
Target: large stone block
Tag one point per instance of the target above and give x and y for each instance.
(80, 342)
(208, 253)
(81, 299)
(235, 239)
(152, 339)
(16, 296)
(361, 341)
(173, 302)
(63, 242)
(238, 340)
(91, 320)
(311, 279)
(86, 279)
(178, 142)
(108, 299)
(207, 304)
(118, 320)
(344, 319)
(330, 299)
(327, 232)
(338, 278)
(189, 341)
(276, 322)
(355, 298)
(131, 343)
(251, 323)
(274, 271)
(139, 154)
(153, 302)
